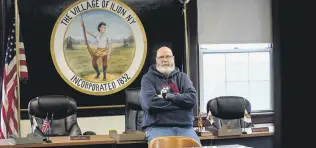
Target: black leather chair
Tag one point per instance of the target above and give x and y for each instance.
(229, 110)
(133, 110)
(64, 111)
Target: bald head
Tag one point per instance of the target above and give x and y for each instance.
(164, 51)
(165, 60)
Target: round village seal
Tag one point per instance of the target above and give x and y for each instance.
(98, 46)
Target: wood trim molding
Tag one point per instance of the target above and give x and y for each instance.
(90, 107)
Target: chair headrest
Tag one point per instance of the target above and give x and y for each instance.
(59, 105)
(229, 107)
(132, 98)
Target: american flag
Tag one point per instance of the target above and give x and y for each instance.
(9, 108)
(46, 125)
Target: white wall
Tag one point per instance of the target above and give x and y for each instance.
(234, 21)
(100, 125)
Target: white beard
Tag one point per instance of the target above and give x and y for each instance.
(165, 70)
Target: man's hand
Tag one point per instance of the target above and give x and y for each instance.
(160, 96)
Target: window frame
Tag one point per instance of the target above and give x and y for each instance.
(236, 48)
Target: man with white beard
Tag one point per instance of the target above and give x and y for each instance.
(167, 97)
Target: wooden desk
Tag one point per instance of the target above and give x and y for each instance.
(203, 138)
(261, 134)
(257, 140)
(63, 141)
(106, 140)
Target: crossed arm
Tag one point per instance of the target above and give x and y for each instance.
(152, 101)
(186, 99)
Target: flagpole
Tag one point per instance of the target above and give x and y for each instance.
(17, 48)
(187, 51)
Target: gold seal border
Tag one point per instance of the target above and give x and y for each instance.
(107, 92)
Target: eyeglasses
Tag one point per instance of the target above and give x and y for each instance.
(165, 57)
